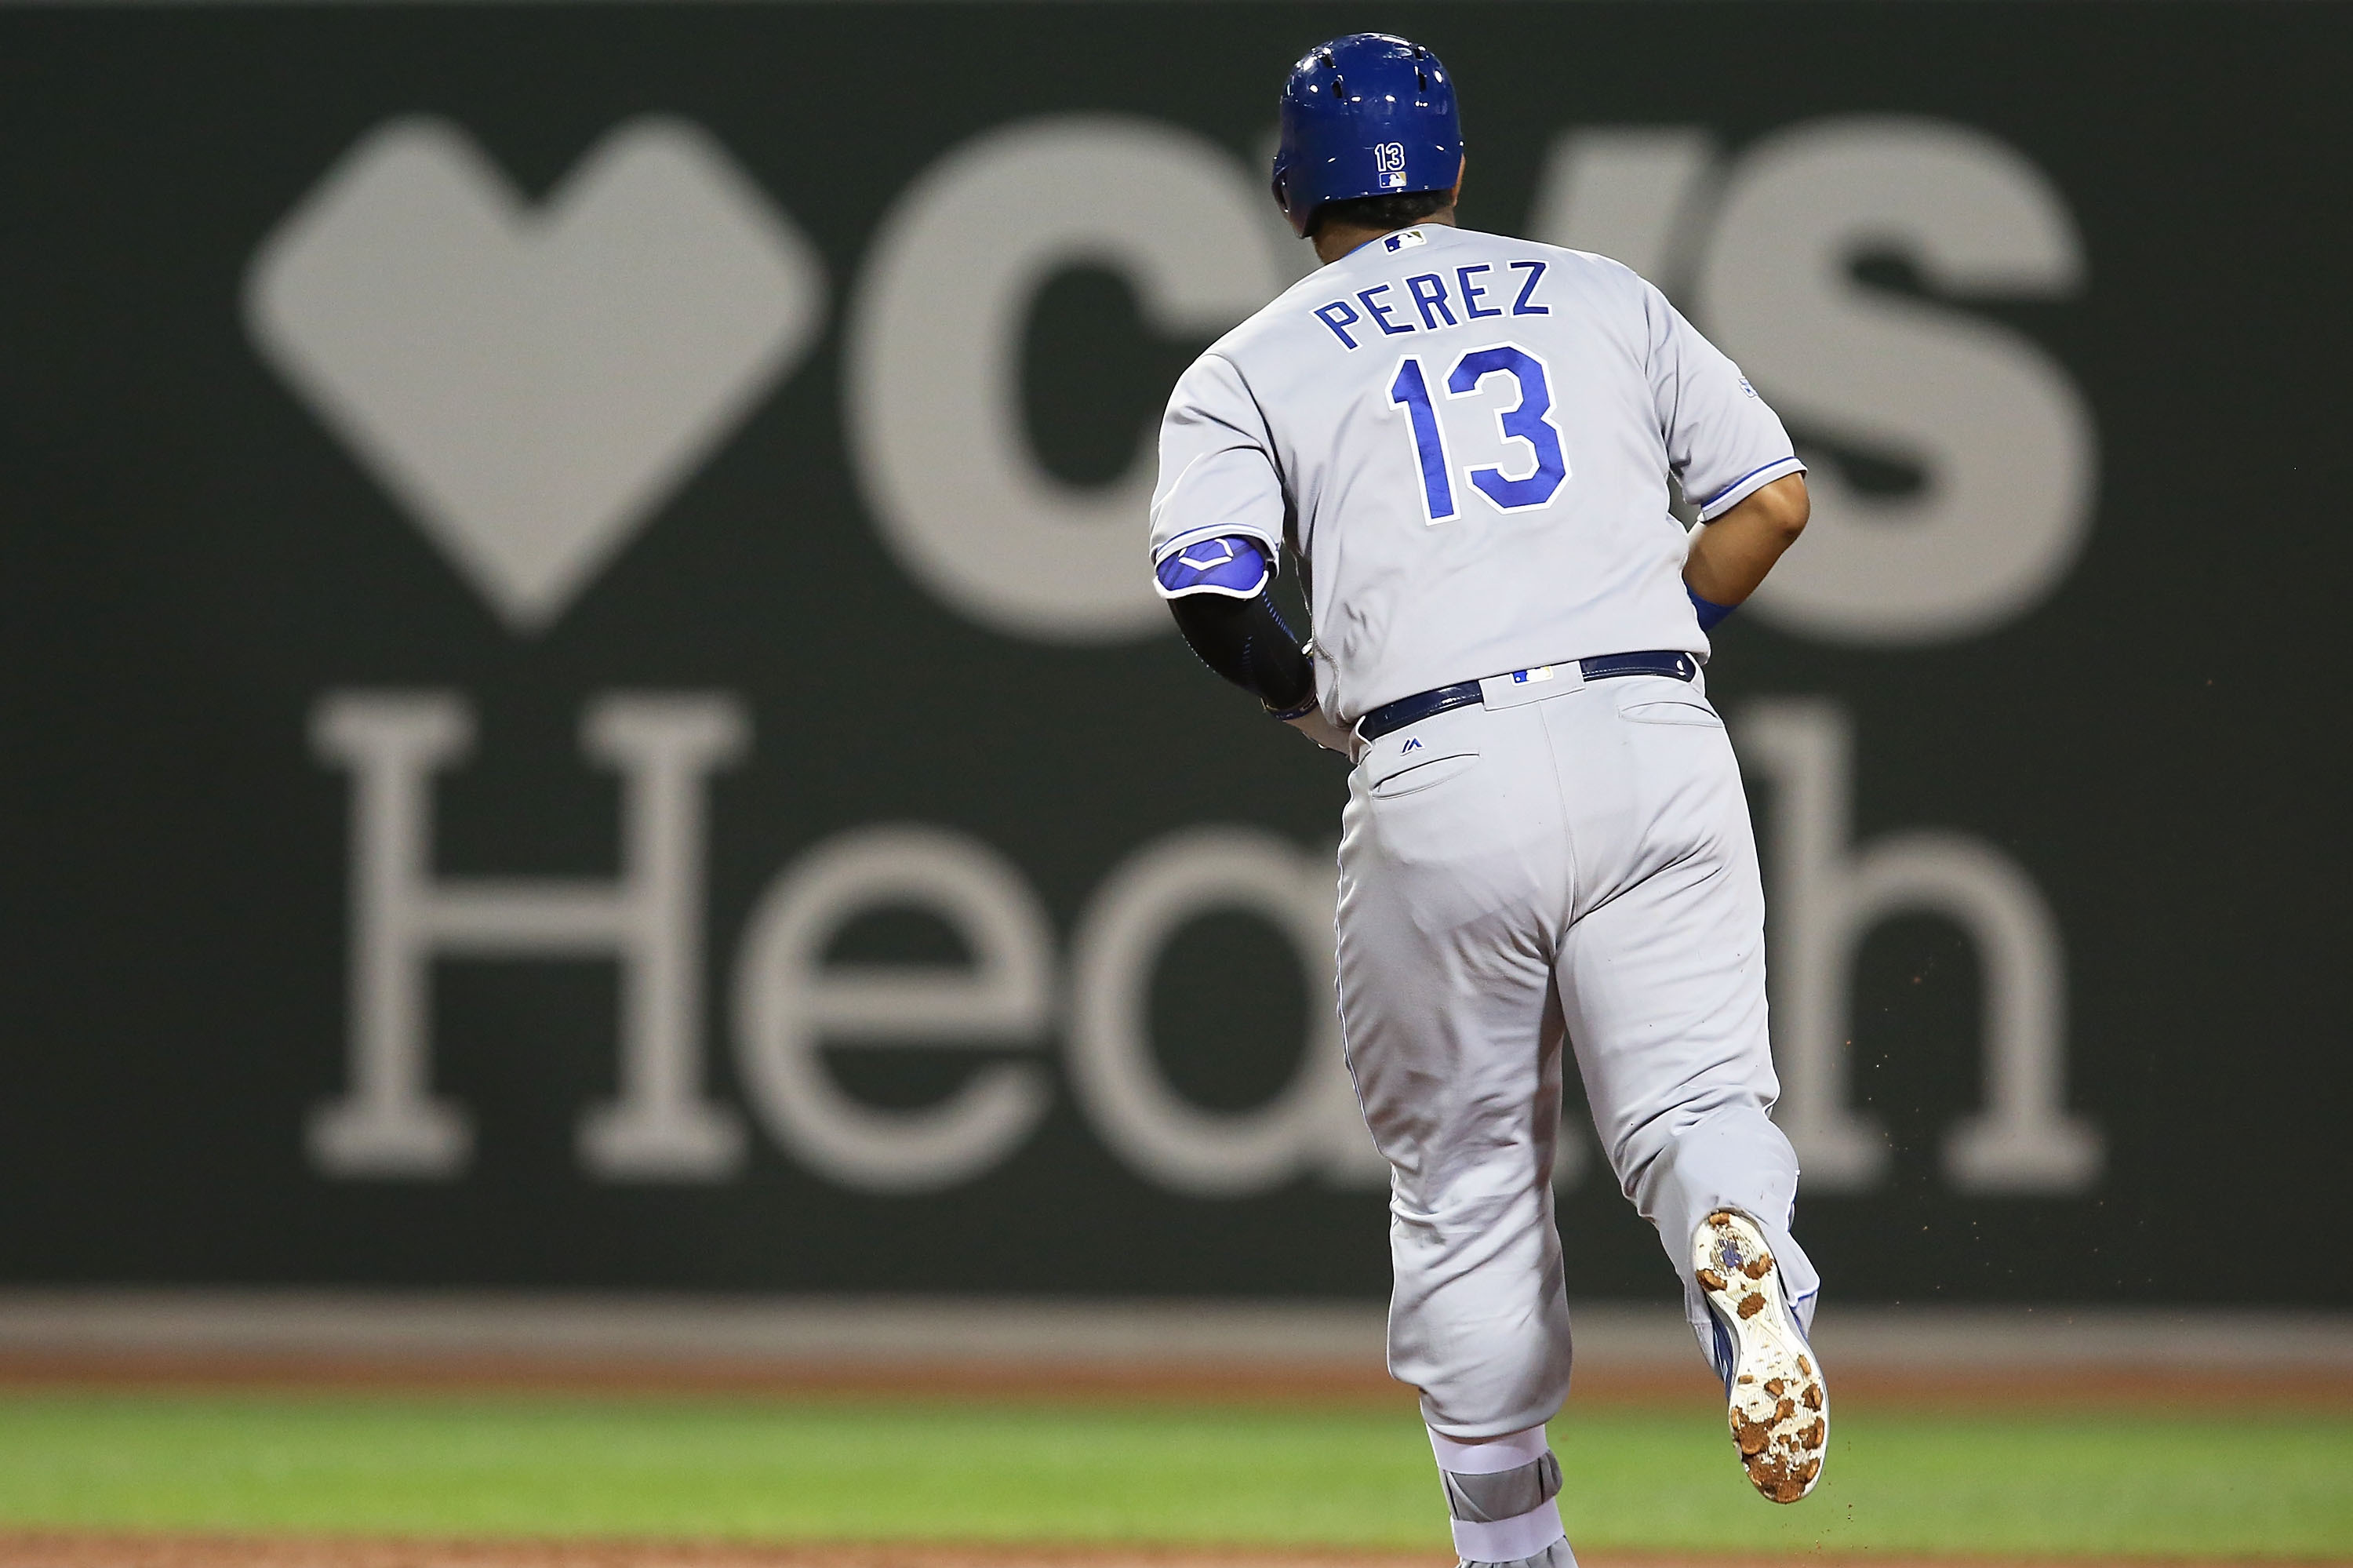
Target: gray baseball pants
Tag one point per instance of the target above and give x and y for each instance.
(1565, 860)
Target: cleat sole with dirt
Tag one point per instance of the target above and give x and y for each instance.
(1779, 1410)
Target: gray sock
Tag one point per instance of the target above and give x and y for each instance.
(1557, 1555)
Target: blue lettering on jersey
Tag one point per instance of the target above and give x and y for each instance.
(1525, 422)
(1427, 290)
(1471, 293)
(1381, 311)
(1433, 298)
(1340, 314)
(1535, 271)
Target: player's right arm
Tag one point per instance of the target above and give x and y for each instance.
(1733, 459)
(1217, 533)
(1731, 555)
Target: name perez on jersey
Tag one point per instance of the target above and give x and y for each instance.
(1427, 294)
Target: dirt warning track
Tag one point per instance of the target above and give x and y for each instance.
(953, 1381)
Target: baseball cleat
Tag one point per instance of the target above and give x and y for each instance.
(1779, 1412)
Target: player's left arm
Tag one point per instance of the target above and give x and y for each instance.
(1218, 591)
(1217, 526)
(1731, 555)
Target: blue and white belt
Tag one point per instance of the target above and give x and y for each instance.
(1396, 715)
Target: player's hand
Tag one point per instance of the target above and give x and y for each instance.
(1316, 727)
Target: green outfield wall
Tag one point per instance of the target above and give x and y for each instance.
(580, 702)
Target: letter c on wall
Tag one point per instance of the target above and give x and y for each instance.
(933, 377)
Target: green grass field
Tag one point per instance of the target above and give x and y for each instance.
(508, 1465)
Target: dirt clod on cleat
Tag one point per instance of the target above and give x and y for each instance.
(1813, 1396)
(1752, 1436)
(1804, 1368)
(1776, 1386)
(1811, 1437)
(1710, 1280)
(1750, 1305)
(1757, 1268)
(1773, 1477)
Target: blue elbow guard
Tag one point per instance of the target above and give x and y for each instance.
(1233, 566)
(1711, 614)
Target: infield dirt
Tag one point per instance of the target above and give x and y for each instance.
(76, 1551)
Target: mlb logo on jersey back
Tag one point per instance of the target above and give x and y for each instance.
(1403, 238)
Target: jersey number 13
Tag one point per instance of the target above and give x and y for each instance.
(1528, 421)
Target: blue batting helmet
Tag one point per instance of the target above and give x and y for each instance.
(1367, 114)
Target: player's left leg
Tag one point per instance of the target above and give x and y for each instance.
(1450, 893)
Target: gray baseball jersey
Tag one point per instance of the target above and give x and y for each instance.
(1467, 439)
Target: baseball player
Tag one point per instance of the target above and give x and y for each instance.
(1465, 441)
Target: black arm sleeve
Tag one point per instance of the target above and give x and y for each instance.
(1245, 640)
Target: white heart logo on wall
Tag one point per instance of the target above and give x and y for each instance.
(532, 383)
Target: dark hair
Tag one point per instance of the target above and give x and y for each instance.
(1381, 212)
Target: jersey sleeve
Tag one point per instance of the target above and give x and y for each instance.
(1723, 443)
(1217, 478)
